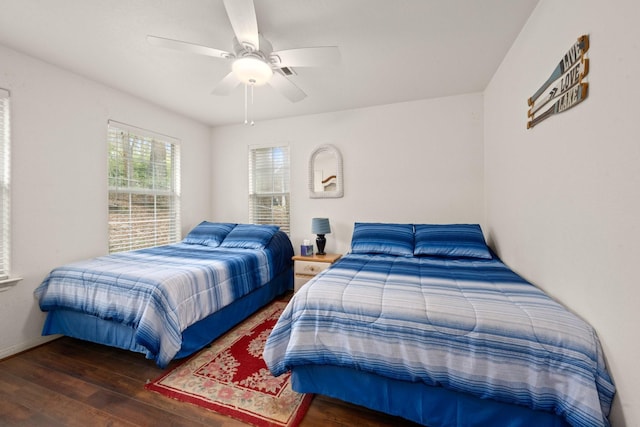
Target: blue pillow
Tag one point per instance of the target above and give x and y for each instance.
(249, 236)
(381, 238)
(208, 233)
(451, 240)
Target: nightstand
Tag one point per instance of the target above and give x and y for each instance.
(305, 267)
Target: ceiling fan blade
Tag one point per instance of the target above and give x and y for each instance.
(307, 57)
(226, 85)
(283, 85)
(187, 47)
(242, 15)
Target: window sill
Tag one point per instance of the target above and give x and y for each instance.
(8, 283)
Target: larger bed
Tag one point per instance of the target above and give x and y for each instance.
(425, 322)
(169, 301)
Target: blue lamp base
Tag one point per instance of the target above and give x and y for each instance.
(320, 242)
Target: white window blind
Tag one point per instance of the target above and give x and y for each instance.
(144, 188)
(5, 248)
(269, 186)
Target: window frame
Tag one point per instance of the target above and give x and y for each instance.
(274, 195)
(5, 185)
(6, 281)
(133, 188)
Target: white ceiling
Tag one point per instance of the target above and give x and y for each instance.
(392, 50)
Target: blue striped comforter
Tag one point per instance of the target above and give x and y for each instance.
(158, 291)
(471, 326)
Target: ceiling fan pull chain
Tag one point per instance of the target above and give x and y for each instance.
(247, 112)
(245, 105)
(252, 122)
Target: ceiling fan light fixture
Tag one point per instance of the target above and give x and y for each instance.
(251, 70)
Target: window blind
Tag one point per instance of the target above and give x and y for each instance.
(5, 248)
(144, 188)
(269, 195)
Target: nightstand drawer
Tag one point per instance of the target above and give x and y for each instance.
(305, 268)
(310, 268)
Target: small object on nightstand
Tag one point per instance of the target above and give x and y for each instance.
(306, 267)
(306, 249)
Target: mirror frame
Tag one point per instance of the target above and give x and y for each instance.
(339, 191)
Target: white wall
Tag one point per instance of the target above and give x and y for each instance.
(410, 162)
(59, 177)
(563, 199)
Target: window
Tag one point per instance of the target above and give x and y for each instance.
(4, 185)
(144, 188)
(269, 186)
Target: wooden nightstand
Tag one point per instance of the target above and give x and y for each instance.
(305, 267)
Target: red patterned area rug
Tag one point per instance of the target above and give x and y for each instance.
(231, 377)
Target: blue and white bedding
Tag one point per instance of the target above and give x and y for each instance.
(161, 291)
(470, 325)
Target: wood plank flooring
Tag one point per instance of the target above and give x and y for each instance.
(69, 382)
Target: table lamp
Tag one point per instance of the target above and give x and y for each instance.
(320, 226)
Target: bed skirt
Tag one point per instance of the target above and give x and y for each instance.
(432, 406)
(90, 328)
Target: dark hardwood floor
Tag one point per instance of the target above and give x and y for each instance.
(68, 382)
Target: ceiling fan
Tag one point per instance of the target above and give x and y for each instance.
(253, 61)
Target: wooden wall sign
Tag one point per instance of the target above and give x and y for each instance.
(565, 87)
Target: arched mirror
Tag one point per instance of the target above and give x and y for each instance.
(325, 173)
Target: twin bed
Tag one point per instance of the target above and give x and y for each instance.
(425, 322)
(170, 301)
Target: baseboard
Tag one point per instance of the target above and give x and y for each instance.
(28, 345)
